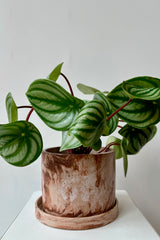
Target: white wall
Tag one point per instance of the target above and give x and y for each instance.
(102, 42)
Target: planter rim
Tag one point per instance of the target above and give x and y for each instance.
(49, 151)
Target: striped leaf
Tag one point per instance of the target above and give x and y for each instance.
(146, 88)
(20, 143)
(54, 105)
(11, 108)
(96, 146)
(137, 138)
(69, 141)
(55, 73)
(112, 124)
(138, 113)
(90, 123)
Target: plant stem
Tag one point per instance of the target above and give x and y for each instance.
(118, 110)
(24, 107)
(68, 83)
(29, 114)
(105, 149)
(70, 151)
(120, 120)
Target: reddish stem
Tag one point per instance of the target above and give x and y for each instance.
(24, 107)
(119, 109)
(105, 149)
(70, 151)
(119, 126)
(29, 114)
(68, 83)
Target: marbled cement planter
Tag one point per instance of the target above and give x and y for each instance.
(78, 190)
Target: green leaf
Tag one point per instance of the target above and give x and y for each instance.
(138, 113)
(69, 141)
(106, 92)
(55, 73)
(124, 155)
(137, 138)
(54, 105)
(90, 123)
(85, 101)
(101, 96)
(112, 124)
(97, 145)
(117, 148)
(11, 108)
(86, 89)
(146, 88)
(20, 143)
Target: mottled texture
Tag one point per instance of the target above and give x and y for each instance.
(77, 185)
(75, 223)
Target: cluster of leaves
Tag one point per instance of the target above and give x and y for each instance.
(135, 102)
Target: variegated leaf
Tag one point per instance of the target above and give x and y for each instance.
(112, 124)
(20, 143)
(69, 141)
(96, 146)
(138, 113)
(137, 138)
(90, 123)
(54, 105)
(146, 88)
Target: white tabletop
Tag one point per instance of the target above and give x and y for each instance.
(130, 225)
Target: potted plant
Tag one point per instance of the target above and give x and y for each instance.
(78, 178)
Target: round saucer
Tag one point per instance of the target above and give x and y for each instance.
(75, 223)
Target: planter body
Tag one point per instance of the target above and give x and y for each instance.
(77, 185)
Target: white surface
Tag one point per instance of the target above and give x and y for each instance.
(130, 225)
(102, 42)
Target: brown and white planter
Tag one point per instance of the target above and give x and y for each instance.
(78, 190)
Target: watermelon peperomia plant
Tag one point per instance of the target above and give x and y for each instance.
(135, 103)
